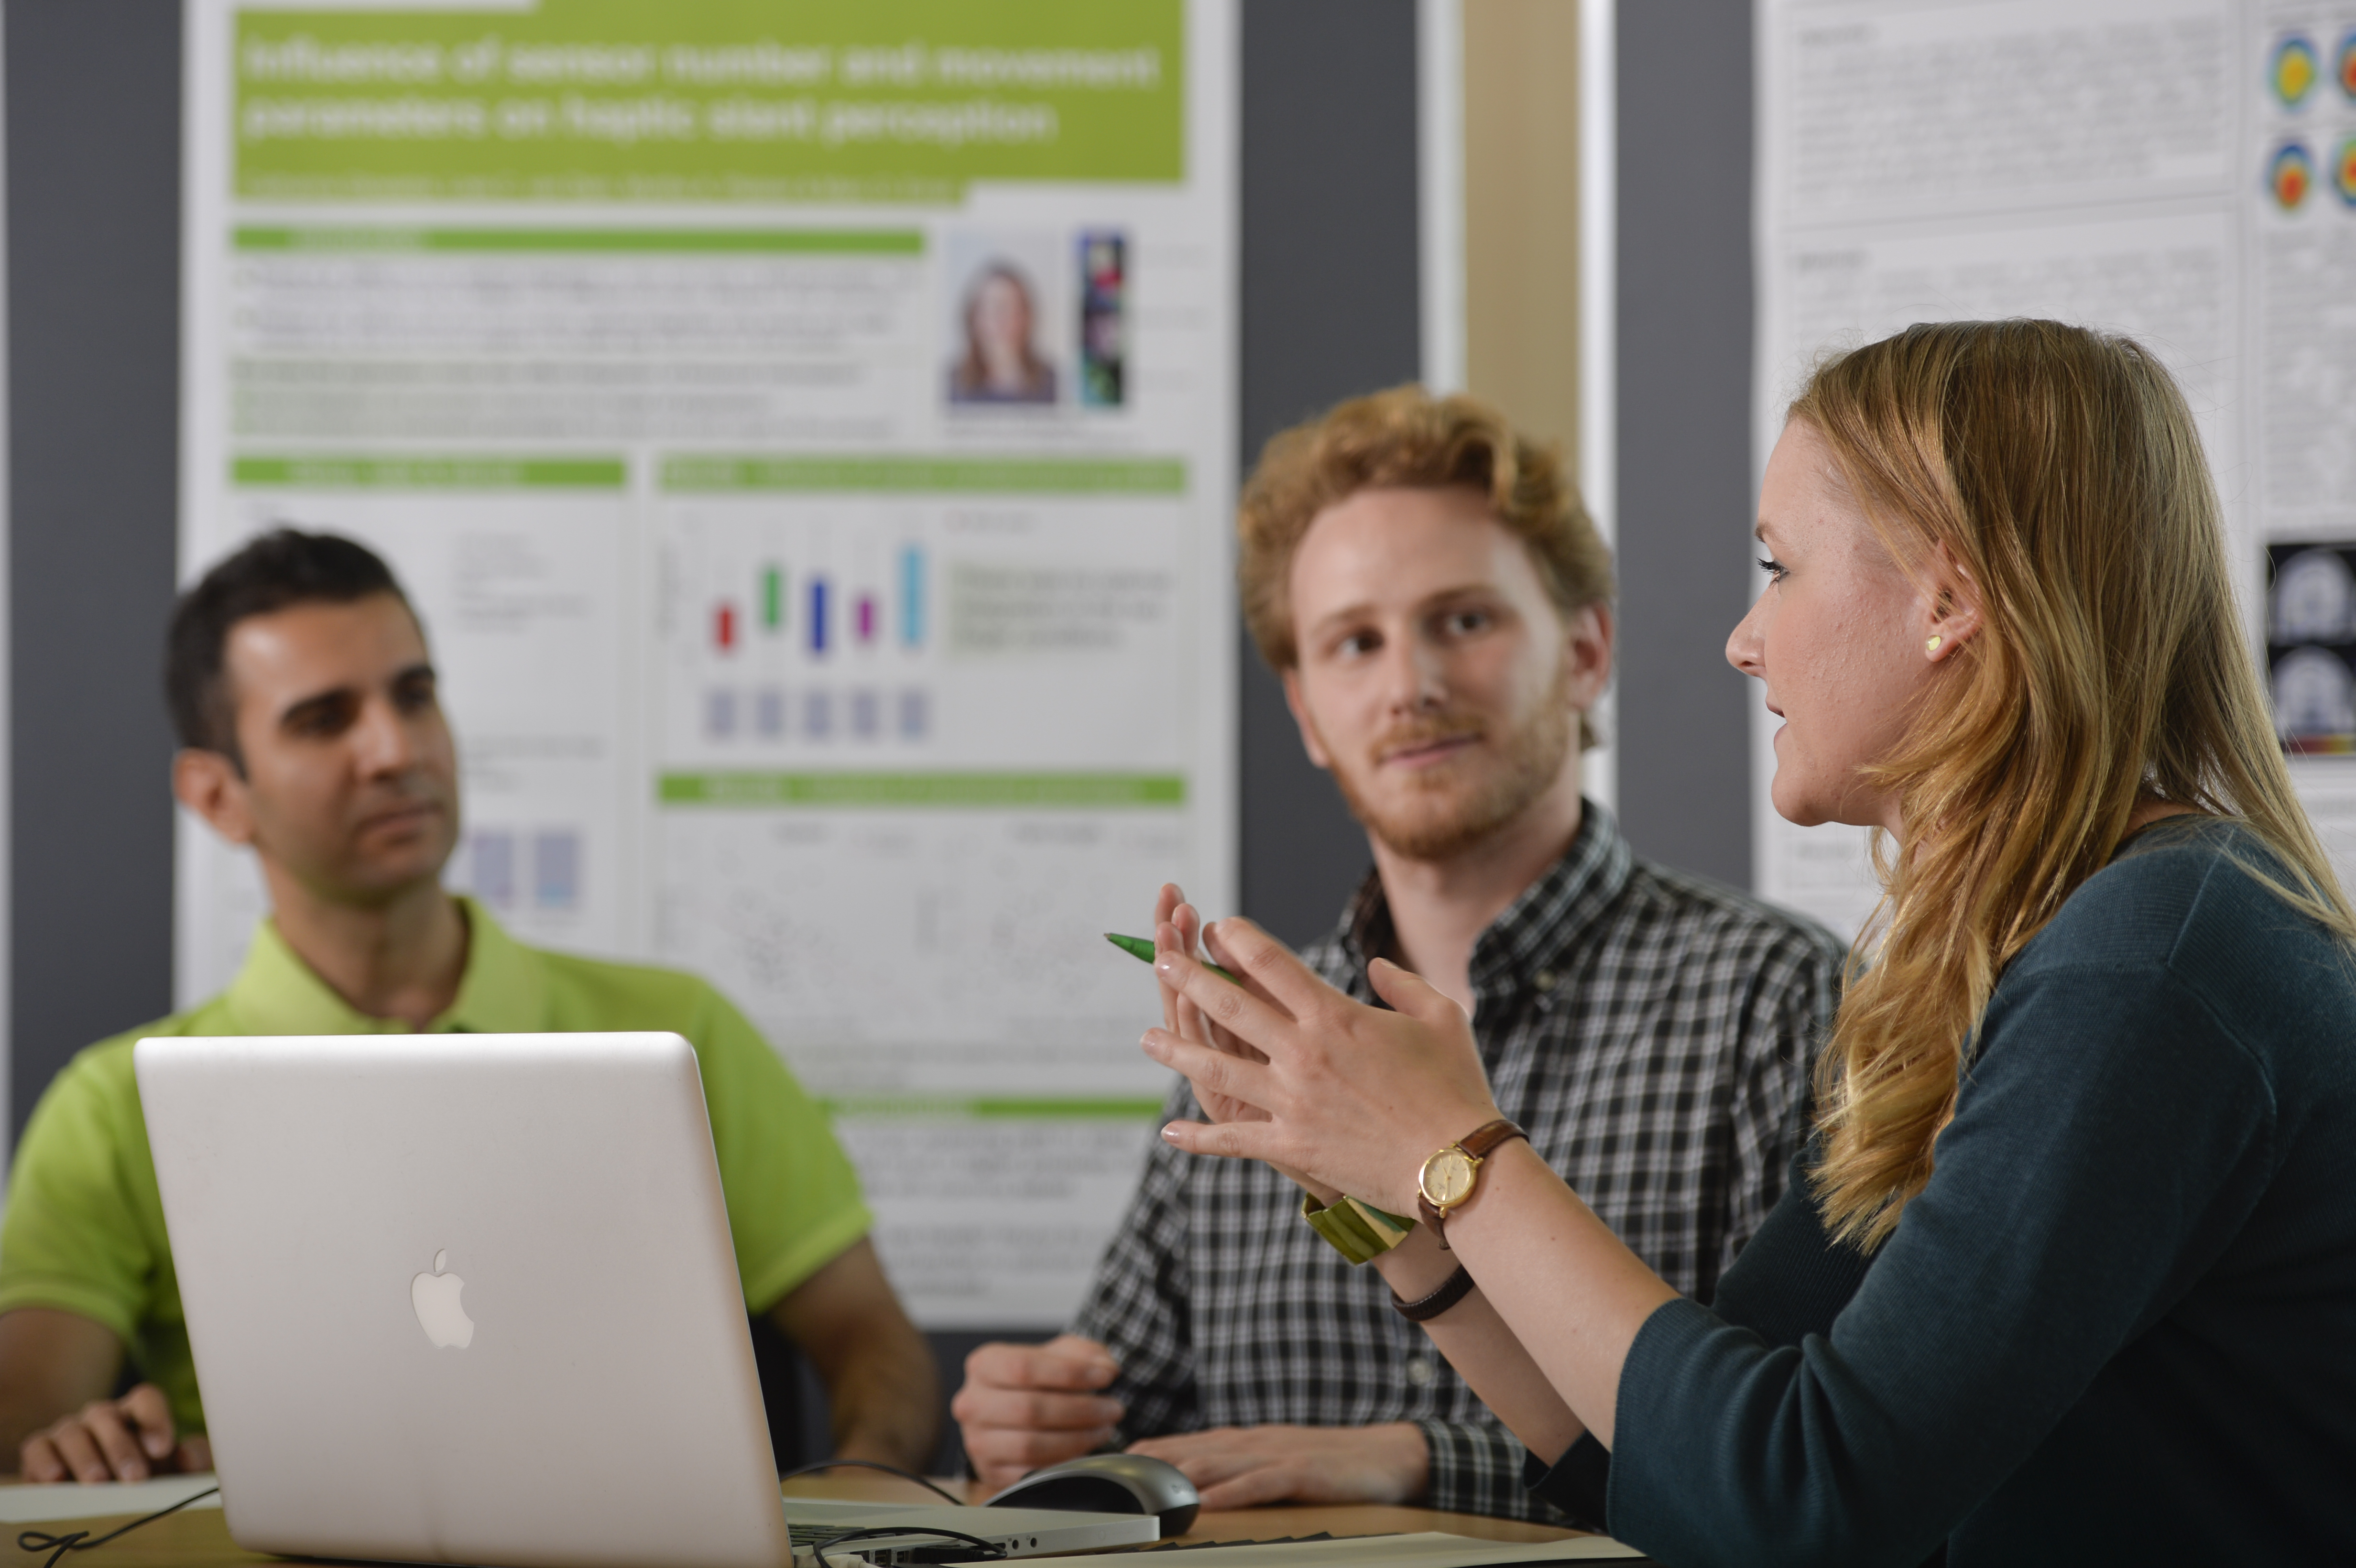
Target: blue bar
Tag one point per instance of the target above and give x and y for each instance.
(912, 597)
(818, 614)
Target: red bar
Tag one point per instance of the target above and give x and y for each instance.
(724, 627)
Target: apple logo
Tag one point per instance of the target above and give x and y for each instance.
(434, 1298)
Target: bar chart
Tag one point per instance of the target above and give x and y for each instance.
(814, 633)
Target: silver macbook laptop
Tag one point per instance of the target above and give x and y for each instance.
(471, 1298)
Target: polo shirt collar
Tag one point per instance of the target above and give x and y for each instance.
(503, 990)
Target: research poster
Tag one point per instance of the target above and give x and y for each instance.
(807, 433)
(2180, 170)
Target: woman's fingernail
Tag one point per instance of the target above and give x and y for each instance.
(1169, 1132)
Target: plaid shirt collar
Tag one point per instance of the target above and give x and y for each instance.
(1522, 947)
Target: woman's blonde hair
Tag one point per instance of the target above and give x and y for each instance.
(2058, 471)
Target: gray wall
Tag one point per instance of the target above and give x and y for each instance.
(94, 145)
(1682, 388)
(1330, 309)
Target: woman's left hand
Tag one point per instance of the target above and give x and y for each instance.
(1354, 1097)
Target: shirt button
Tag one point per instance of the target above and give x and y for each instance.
(1544, 979)
(1419, 1371)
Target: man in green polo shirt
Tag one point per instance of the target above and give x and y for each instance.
(311, 731)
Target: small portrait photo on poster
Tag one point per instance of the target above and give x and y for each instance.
(2311, 646)
(1006, 313)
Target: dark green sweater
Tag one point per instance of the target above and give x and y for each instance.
(2118, 1325)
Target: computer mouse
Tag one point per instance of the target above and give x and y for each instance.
(1109, 1483)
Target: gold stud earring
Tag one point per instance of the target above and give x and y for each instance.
(1931, 646)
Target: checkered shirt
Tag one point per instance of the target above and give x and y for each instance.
(1651, 1030)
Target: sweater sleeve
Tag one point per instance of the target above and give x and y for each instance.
(2110, 1136)
(1790, 1282)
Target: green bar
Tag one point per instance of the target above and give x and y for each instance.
(706, 241)
(1036, 476)
(773, 598)
(991, 1110)
(1049, 790)
(430, 472)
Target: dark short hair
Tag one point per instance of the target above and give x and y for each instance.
(284, 567)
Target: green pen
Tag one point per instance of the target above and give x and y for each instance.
(1139, 947)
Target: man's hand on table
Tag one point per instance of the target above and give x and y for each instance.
(1243, 1466)
(126, 1439)
(1027, 1405)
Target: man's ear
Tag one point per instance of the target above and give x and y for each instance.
(1309, 740)
(207, 783)
(1586, 639)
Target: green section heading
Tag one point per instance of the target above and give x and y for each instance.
(429, 472)
(729, 241)
(987, 475)
(991, 1110)
(719, 100)
(1050, 790)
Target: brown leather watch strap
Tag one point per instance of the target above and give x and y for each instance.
(1476, 1144)
(1488, 1136)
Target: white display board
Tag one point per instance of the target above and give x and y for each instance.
(2180, 170)
(807, 430)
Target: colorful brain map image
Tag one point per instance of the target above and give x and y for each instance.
(2290, 175)
(2294, 71)
(2343, 170)
(2348, 65)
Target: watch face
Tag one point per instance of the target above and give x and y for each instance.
(1447, 1177)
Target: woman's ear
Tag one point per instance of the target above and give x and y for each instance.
(1952, 609)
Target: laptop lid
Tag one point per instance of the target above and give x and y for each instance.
(463, 1298)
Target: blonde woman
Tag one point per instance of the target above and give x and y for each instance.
(2067, 1272)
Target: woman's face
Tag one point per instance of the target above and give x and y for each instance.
(1002, 316)
(1838, 638)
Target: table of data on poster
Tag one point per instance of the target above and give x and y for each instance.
(2183, 171)
(806, 432)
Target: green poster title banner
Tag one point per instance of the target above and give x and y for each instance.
(620, 242)
(720, 101)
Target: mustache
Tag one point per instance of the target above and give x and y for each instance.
(1427, 731)
(400, 797)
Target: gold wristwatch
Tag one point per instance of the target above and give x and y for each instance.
(1448, 1176)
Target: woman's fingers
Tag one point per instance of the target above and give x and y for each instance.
(1230, 1140)
(1411, 994)
(1240, 945)
(1215, 1073)
(1224, 1003)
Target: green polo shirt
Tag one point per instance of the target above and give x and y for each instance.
(84, 1229)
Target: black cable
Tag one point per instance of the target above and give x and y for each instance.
(871, 1464)
(56, 1546)
(992, 1551)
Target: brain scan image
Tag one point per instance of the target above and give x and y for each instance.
(2314, 599)
(2314, 696)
